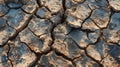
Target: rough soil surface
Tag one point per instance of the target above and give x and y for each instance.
(59, 33)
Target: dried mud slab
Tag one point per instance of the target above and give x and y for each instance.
(115, 4)
(3, 9)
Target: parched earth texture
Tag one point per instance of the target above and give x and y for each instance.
(59, 33)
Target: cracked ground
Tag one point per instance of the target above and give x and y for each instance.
(59, 33)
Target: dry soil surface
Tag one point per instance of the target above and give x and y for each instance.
(59, 33)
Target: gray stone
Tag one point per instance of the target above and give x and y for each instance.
(62, 29)
(54, 6)
(53, 60)
(113, 57)
(109, 61)
(89, 24)
(40, 26)
(93, 4)
(67, 47)
(85, 61)
(2, 22)
(16, 18)
(20, 54)
(77, 14)
(5, 33)
(74, 22)
(4, 60)
(3, 9)
(112, 33)
(70, 3)
(93, 37)
(34, 42)
(64, 44)
(80, 38)
(100, 17)
(56, 19)
(30, 6)
(14, 3)
(115, 22)
(98, 51)
(43, 13)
